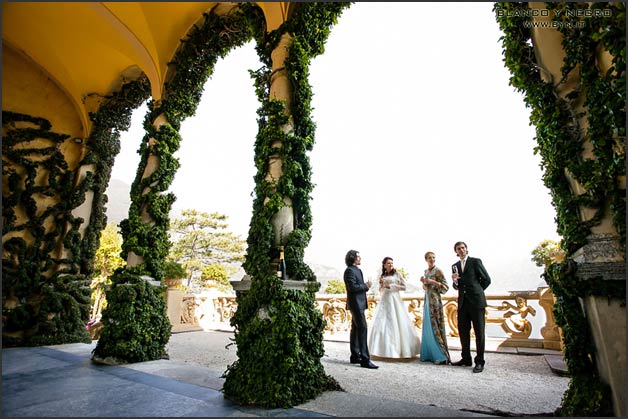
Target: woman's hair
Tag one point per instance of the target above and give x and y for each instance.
(350, 257)
(428, 253)
(386, 259)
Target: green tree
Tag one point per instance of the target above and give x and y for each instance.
(201, 239)
(547, 252)
(174, 270)
(403, 273)
(335, 286)
(106, 260)
(216, 276)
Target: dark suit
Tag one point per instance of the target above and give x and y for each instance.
(356, 303)
(471, 306)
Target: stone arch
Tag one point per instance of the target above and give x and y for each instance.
(145, 239)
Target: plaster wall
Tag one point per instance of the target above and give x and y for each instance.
(27, 89)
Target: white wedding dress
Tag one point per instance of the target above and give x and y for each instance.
(392, 334)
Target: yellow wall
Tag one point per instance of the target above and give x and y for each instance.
(27, 89)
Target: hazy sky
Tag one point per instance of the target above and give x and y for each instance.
(420, 142)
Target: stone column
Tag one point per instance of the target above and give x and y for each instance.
(280, 89)
(151, 166)
(174, 300)
(601, 259)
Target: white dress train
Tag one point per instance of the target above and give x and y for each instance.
(392, 334)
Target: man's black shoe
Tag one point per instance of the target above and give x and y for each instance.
(355, 360)
(478, 368)
(461, 363)
(369, 365)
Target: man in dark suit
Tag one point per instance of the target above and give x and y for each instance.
(356, 303)
(470, 279)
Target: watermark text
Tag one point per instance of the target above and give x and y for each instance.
(554, 12)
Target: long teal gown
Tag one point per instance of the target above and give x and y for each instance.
(433, 338)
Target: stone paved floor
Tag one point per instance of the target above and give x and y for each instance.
(62, 381)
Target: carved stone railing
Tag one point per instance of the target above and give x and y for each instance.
(208, 310)
(512, 312)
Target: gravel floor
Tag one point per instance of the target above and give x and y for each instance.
(516, 384)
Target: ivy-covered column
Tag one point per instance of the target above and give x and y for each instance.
(585, 76)
(135, 323)
(282, 221)
(278, 328)
(569, 60)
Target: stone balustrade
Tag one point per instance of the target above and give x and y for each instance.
(511, 311)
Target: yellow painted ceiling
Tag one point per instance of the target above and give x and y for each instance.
(87, 47)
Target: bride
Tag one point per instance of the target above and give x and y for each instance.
(392, 334)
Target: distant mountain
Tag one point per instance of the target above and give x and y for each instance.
(324, 273)
(521, 275)
(119, 201)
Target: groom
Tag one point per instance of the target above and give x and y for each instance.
(470, 279)
(356, 303)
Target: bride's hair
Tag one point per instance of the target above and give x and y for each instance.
(386, 259)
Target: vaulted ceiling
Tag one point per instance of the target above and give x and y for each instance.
(87, 48)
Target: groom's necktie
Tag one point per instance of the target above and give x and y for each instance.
(462, 263)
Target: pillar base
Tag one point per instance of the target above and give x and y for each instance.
(244, 285)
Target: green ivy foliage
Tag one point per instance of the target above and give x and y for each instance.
(279, 348)
(112, 118)
(559, 137)
(135, 327)
(279, 332)
(587, 395)
(560, 143)
(309, 27)
(604, 100)
(54, 308)
(144, 320)
(44, 309)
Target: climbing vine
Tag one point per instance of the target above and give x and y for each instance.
(309, 27)
(38, 309)
(279, 332)
(136, 324)
(587, 395)
(46, 298)
(559, 136)
(112, 118)
(560, 139)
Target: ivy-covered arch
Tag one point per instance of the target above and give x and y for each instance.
(136, 327)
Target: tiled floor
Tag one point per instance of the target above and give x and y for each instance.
(47, 382)
(62, 381)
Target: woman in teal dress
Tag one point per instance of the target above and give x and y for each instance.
(434, 338)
